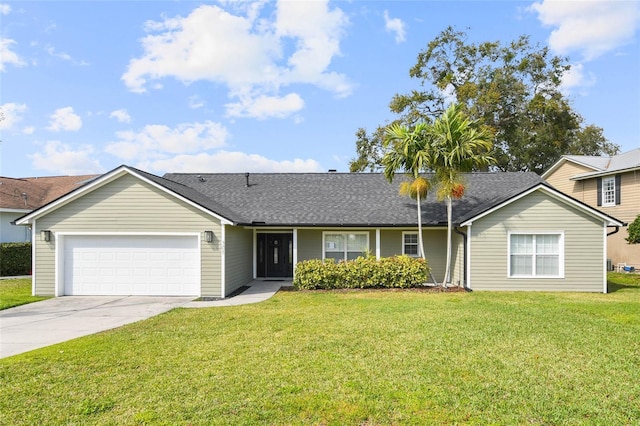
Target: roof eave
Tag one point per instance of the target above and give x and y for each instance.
(103, 180)
(336, 225)
(610, 220)
(562, 159)
(584, 176)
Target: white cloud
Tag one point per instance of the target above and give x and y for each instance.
(199, 47)
(10, 114)
(64, 56)
(317, 32)
(244, 52)
(121, 115)
(7, 56)
(52, 52)
(395, 25)
(196, 102)
(29, 130)
(64, 119)
(157, 141)
(5, 9)
(59, 158)
(576, 77)
(590, 27)
(226, 161)
(262, 107)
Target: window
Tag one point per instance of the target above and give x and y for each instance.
(536, 255)
(410, 244)
(609, 191)
(345, 246)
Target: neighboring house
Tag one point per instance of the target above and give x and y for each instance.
(22, 195)
(610, 184)
(131, 232)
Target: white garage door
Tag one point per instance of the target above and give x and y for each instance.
(131, 265)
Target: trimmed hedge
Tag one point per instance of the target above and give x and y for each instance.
(15, 259)
(364, 272)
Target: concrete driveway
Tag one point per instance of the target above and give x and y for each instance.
(36, 325)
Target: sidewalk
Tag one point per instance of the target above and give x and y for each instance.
(258, 291)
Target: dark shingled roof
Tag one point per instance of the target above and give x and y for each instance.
(335, 199)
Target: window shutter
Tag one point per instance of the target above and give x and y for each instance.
(618, 182)
(599, 183)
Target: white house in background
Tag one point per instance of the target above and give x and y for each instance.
(19, 196)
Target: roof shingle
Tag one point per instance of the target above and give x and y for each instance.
(337, 199)
(33, 192)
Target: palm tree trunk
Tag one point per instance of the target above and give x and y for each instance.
(447, 271)
(420, 244)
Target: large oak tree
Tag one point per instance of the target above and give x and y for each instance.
(514, 88)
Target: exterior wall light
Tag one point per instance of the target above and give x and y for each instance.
(45, 235)
(208, 236)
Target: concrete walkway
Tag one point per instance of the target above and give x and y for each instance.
(40, 324)
(258, 291)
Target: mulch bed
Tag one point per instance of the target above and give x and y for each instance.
(434, 289)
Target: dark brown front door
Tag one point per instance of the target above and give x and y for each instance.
(275, 255)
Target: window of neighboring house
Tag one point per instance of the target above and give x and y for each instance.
(536, 255)
(345, 245)
(410, 244)
(609, 191)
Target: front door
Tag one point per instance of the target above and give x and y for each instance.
(275, 255)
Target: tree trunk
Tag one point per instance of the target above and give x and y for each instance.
(420, 244)
(447, 271)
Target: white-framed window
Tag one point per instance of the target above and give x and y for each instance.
(410, 244)
(344, 245)
(536, 255)
(609, 191)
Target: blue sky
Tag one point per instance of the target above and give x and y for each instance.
(265, 86)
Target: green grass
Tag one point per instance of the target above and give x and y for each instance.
(354, 358)
(16, 292)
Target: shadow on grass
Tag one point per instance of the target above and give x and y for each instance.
(613, 287)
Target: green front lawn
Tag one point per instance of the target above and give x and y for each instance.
(16, 292)
(354, 357)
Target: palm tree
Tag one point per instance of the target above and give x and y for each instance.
(457, 145)
(406, 151)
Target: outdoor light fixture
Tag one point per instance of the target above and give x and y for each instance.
(45, 235)
(208, 236)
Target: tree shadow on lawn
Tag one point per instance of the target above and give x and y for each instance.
(612, 287)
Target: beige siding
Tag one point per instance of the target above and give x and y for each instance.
(583, 245)
(238, 257)
(560, 179)
(619, 251)
(629, 208)
(128, 204)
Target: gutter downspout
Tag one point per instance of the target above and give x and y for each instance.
(464, 256)
(614, 231)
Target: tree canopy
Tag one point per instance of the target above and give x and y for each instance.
(513, 88)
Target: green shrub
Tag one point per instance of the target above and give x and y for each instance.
(15, 259)
(634, 231)
(363, 272)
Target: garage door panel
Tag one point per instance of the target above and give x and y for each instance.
(131, 265)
